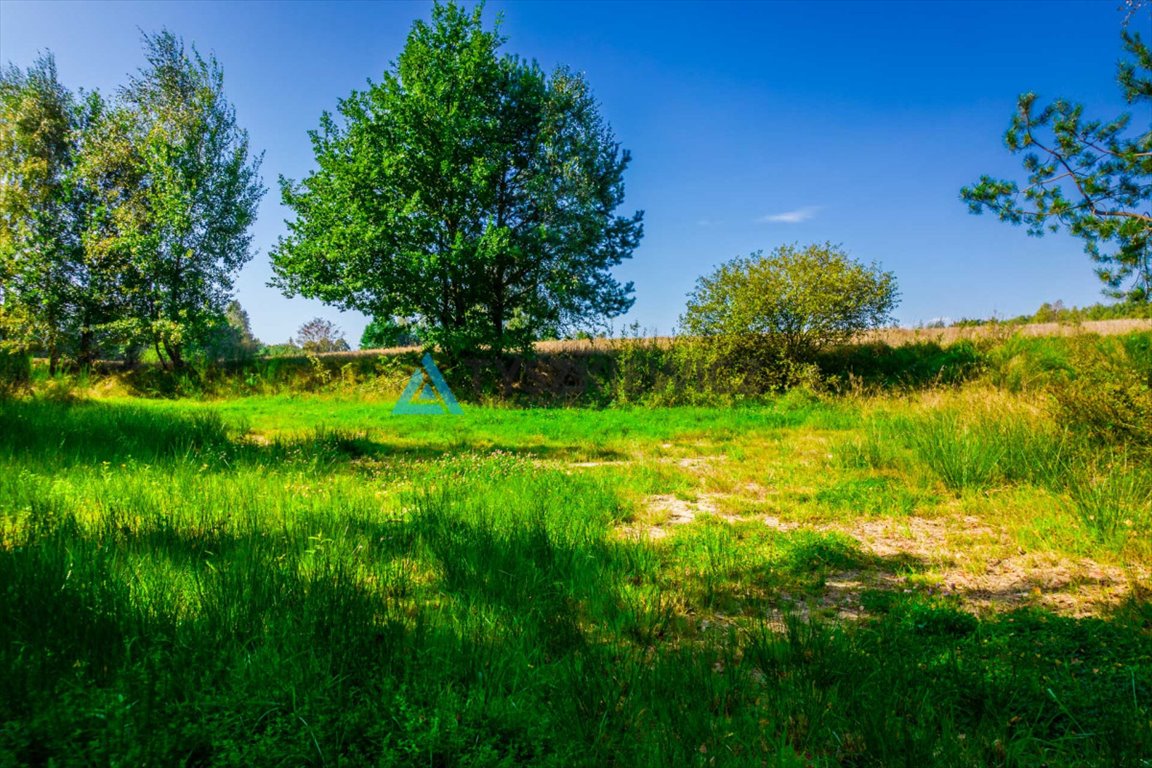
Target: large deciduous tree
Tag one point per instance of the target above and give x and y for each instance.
(57, 288)
(187, 224)
(469, 190)
(121, 221)
(1093, 178)
(40, 236)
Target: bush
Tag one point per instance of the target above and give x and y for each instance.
(910, 365)
(1109, 392)
(793, 302)
(758, 322)
(1100, 386)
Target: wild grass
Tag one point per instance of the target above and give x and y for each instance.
(986, 439)
(312, 581)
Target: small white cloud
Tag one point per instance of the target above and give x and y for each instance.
(790, 217)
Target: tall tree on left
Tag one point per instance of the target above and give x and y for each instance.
(187, 218)
(41, 214)
(128, 218)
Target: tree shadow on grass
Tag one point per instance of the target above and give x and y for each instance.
(752, 570)
(77, 434)
(270, 635)
(289, 653)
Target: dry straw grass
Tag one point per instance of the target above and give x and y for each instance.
(900, 336)
(893, 336)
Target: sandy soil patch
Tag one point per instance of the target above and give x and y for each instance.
(664, 511)
(980, 564)
(964, 556)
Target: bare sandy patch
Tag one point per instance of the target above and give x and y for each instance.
(979, 563)
(590, 464)
(660, 513)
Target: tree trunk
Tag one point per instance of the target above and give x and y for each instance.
(87, 354)
(498, 312)
(174, 355)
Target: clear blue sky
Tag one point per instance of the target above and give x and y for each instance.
(750, 124)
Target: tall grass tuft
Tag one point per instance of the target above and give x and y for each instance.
(1114, 499)
(972, 449)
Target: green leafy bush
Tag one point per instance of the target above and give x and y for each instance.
(757, 322)
(1109, 391)
(908, 365)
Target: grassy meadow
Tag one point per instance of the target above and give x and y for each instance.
(952, 575)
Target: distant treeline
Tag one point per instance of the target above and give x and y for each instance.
(1056, 312)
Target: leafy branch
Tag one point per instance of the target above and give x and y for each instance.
(1090, 177)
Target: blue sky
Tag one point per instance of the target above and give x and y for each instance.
(750, 124)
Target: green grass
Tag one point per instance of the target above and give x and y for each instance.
(311, 581)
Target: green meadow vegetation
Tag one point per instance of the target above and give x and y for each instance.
(778, 538)
(855, 572)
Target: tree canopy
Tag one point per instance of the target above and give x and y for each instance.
(43, 271)
(468, 190)
(1092, 177)
(384, 332)
(793, 301)
(124, 221)
(320, 335)
(191, 232)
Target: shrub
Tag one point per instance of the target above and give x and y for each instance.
(909, 365)
(1109, 391)
(757, 322)
(794, 301)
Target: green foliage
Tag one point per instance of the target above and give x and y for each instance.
(15, 370)
(641, 373)
(190, 216)
(467, 190)
(1109, 394)
(320, 335)
(54, 291)
(1056, 312)
(1098, 386)
(384, 332)
(231, 339)
(798, 300)
(918, 365)
(1090, 177)
(123, 222)
(757, 322)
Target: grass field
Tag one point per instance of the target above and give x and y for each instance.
(949, 577)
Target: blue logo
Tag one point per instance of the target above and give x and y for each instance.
(427, 392)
